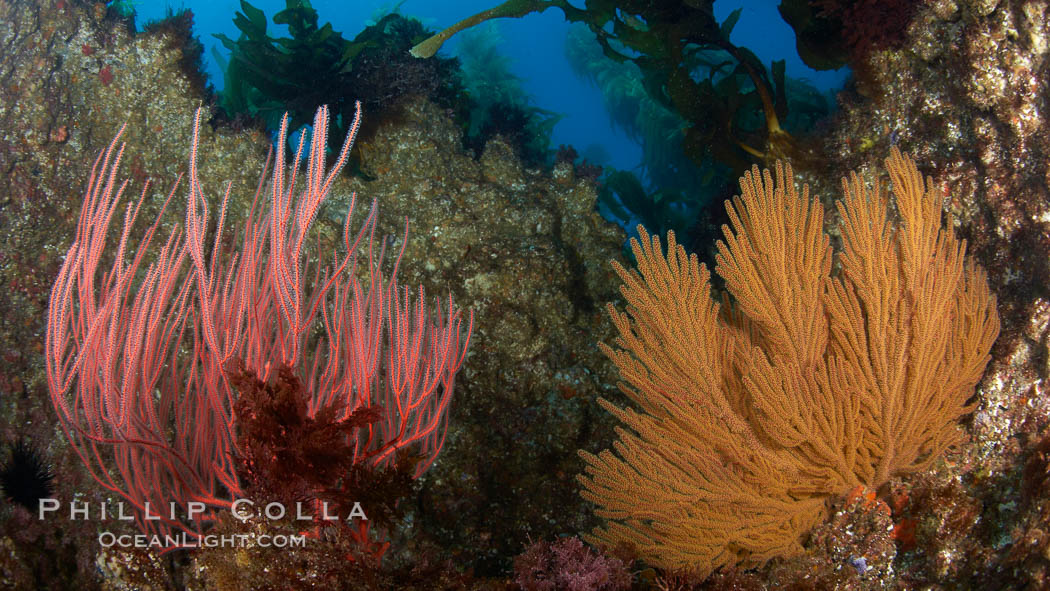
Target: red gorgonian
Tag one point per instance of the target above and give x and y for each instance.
(138, 356)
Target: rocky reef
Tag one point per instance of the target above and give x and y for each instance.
(963, 93)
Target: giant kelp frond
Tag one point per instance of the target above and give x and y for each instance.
(666, 39)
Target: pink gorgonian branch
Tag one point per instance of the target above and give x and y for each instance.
(137, 355)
